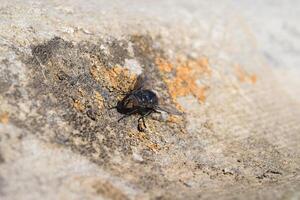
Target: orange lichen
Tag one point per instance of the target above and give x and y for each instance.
(78, 105)
(244, 76)
(140, 136)
(153, 147)
(99, 100)
(4, 118)
(163, 66)
(253, 78)
(174, 119)
(200, 92)
(115, 78)
(186, 74)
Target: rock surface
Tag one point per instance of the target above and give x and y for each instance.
(231, 67)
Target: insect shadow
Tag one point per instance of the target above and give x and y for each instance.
(141, 101)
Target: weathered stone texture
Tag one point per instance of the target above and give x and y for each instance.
(63, 65)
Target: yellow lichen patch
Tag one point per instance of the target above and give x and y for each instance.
(115, 78)
(99, 100)
(78, 105)
(4, 118)
(244, 76)
(186, 74)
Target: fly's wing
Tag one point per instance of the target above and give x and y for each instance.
(168, 110)
(130, 102)
(140, 82)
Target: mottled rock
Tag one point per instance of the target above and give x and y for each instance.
(64, 65)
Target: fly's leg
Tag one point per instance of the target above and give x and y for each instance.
(123, 117)
(143, 117)
(156, 111)
(127, 115)
(114, 107)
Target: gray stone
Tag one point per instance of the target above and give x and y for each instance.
(231, 67)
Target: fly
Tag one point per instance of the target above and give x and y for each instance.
(140, 101)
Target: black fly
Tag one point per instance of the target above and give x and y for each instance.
(140, 101)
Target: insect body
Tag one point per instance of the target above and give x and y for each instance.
(139, 101)
(142, 102)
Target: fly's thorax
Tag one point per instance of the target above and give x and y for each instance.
(146, 98)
